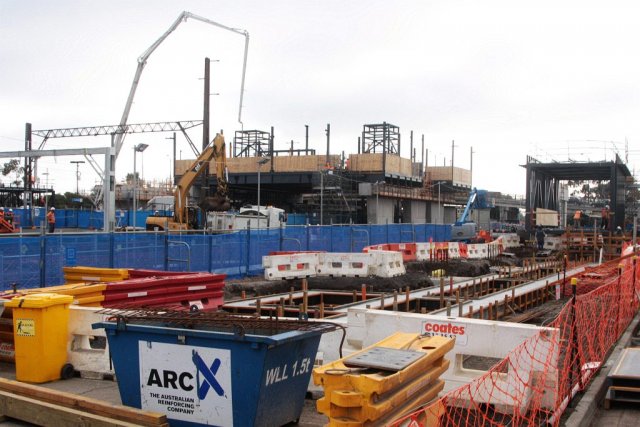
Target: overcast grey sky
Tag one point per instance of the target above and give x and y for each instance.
(508, 78)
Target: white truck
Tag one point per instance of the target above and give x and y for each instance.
(253, 217)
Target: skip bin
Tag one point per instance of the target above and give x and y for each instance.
(210, 368)
(40, 323)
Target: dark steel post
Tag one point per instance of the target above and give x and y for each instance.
(248, 249)
(43, 254)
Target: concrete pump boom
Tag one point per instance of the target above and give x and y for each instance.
(142, 61)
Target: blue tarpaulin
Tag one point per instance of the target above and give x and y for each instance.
(29, 261)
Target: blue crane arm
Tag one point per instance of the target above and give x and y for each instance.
(467, 209)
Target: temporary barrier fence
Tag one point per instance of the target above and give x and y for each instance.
(29, 261)
(587, 327)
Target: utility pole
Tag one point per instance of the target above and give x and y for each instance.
(172, 171)
(77, 163)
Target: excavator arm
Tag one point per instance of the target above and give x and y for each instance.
(215, 150)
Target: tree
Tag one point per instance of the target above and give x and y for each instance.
(13, 165)
(130, 179)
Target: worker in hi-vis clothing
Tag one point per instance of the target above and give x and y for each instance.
(51, 219)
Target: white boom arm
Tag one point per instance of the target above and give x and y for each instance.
(142, 61)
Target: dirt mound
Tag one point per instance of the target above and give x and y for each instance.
(454, 267)
(413, 279)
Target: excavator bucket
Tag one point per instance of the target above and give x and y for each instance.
(215, 203)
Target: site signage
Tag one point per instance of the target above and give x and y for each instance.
(447, 329)
(187, 383)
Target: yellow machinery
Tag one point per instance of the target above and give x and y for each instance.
(185, 217)
(384, 381)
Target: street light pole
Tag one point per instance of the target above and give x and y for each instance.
(260, 163)
(377, 204)
(136, 149)
(321, 195)
(77, 163)
(438, 203)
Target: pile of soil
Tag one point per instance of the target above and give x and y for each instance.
(413, 279)
(453, 267)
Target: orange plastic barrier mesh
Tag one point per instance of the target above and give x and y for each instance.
(534, 384)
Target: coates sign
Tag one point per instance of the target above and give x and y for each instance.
(443, 328)
(186, 383)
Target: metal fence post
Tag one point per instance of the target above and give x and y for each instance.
(351, 238)
(43, 254)
(210, 245)
(387, 240)
(248, 249)
(112, 247)
(330, 238)
(166, 248)
(307, 228)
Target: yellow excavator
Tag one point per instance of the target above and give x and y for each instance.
(186, 217)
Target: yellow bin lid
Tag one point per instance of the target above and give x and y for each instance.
(40, 300)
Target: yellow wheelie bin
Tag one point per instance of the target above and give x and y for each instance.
(40, 331)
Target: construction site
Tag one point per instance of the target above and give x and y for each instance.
(266, 284)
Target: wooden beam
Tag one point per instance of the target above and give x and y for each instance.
(48, 414)
(80, 403)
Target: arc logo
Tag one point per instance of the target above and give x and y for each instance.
(188, 383)
(209, 374)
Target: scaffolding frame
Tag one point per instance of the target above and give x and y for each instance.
(381, 138)
(251, 143)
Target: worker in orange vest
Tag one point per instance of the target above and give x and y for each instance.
(51, 219)
(577, 219)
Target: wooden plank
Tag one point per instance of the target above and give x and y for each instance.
(75, 401)
(48, 414)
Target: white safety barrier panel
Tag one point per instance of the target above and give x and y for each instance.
(87, 348)
(496, 247)
(422, 251)
(292, 266)
(553, 243)
(474, 337)
(510, 240)
(344, 264)
(478, 250)
(454, 250)
(387, 264)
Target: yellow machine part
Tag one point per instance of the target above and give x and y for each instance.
(357, 398)
(94, 274)
(364, 396)
(354, 418)
(337, 376)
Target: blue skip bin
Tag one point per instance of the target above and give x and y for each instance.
(213, 368)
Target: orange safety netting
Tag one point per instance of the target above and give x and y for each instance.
(534, 384)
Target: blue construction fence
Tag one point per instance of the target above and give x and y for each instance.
(78, 218)
(94, 220)
(30, 261)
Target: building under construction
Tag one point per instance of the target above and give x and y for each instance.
(375, 185)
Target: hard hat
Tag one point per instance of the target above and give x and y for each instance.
(52, 208)
(618, 228)
(10, 210)
(1, 208)
(607, 206)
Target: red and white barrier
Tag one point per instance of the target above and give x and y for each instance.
(344, 264)
(293, 266)
(203, 290)
(477, 250)
(422, 251)
(510, 240)
(454, 250)
(387, 264)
